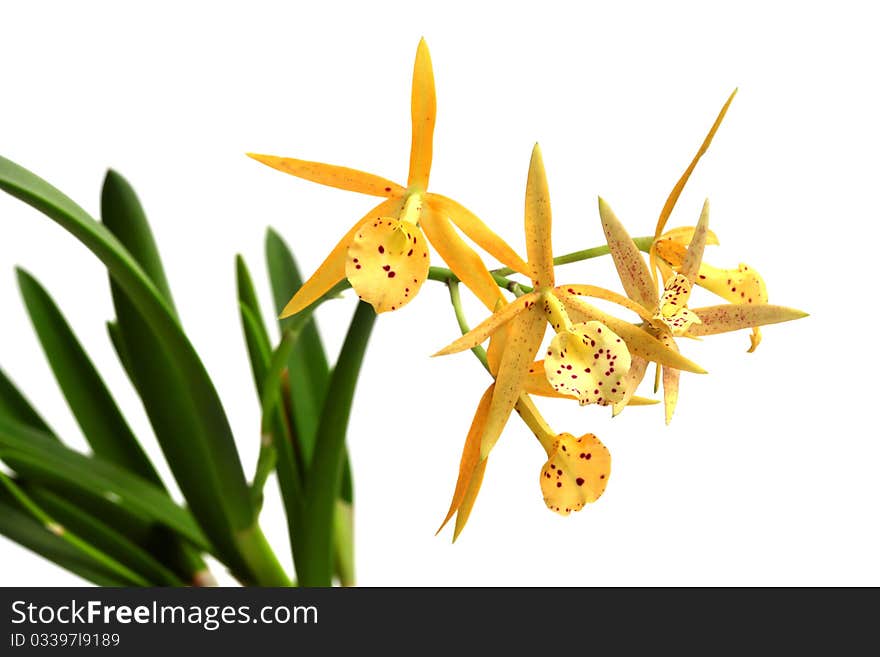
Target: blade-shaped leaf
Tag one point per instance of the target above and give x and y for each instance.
(92, 405)
(307, 365)
(14, 405)
(45, 459)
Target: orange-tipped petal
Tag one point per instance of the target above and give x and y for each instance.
(575, 473)
(459, 257)
(472, 226)
(523, 341)
(637, 368)
(387, 262)
(331, 175)
(631, 267)
(690, 267)
(589, 362)
(638, 341)
(539, 244)
(470, 496)
(730, 317)
(488, 326)
(332, 270)
(424, 112)
(470, 455)
(679, 186)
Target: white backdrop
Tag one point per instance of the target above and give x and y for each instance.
(767, 476)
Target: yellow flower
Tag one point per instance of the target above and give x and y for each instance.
(385, 254)
(668, 315)
(587, 358)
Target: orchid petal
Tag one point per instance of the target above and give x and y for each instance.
(536, 383)
(637, 368)
(460, 257)
(470, 496)
(332, 270)
(488, 326)
(671, 377)
(730, 317)
(472, 226)
(588, 361)
(539, 222)
(387, 262)
(331, 175)
(470, 455)
(742, 285)
(424, 112)
(631, 267)
(523, 341)
(575, 473)
(672, 309)
(638, 341)
(682, 235)
(691, 265)
(679, 186)
(606, 295)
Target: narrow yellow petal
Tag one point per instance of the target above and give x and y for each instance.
(642, 401)
(470, 496)
(607, 295)
(424, 112)
(631, 267)
(637, 368)
(488, 326)
(731, 317)
(459, 257)
(694, 256)
(588, 361)
(472, 226)
(523, 341)
(671, 377)
(684, 234)
(332, 270)
(576, 473)
(387, 262)
(679, 186)
(638, 341)
(331, 175)
(539, 223)
(470, 455)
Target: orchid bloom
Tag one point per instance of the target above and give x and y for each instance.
(384, 255)
(742, 285)
(669, 314)
(588, 358)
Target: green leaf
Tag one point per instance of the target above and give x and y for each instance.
(28, 532)
(105, 538)
(97, 414)
(307, 364)
(14, 406)
(26, 503)
(313, 549)
(255, 332)
(206, 464)
(122, 213)
(43, 459)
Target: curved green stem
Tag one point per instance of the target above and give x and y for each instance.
(455, 297)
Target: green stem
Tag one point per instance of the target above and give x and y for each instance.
(258, 554)
(644, 244)
(455, 297)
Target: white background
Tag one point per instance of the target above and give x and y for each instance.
(768, 474)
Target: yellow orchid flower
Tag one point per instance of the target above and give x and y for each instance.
(668, 314)
(384, 255)
(588, 358)
(742, 285)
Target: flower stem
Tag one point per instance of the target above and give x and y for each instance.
(455, 297)
(258, 554)
(644, 244)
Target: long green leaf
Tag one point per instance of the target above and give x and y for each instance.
(44, 459)
(28, 532)
(51, 523)
(105, 538)
(14, 405)
(307, 364)
(205, 464)
(122, 213)
(314, 553)
(92, 405)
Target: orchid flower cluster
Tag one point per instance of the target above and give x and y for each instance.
(594, 357)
